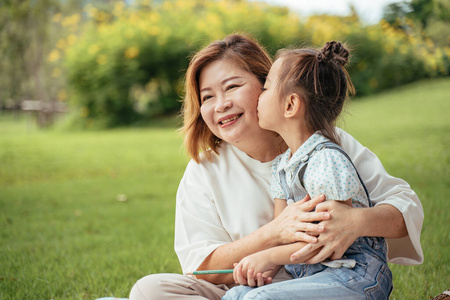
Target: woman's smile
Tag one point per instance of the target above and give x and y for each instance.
(229, 120)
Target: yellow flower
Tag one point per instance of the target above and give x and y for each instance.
(129, 33)
(53, 56)
(118, 8)
(373, 83)
(101, 16)
(71, 21)
(362, 65)
(131, 52)
(57, 18)
(90, 10)
(61, 44)
(153, 17)
(84, 112)
(153, 30)
(62, 95)
(71, 39)
(56, 72)
(102, 59)
(93, 49)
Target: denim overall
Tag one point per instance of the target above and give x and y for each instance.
(365, 250)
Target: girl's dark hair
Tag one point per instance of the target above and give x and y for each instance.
(321, 80)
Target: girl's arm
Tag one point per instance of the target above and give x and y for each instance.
(255, 265)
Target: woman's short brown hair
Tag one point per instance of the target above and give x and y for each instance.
(241, 49)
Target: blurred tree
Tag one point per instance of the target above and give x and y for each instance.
(422, 11)
(395, 13)
(24, 42)
(432, 16)
(23, 37)
(438, 26)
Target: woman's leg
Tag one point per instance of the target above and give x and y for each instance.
(175, 286)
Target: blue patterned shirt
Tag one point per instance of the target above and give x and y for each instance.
(329, 172)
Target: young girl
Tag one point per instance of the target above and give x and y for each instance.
(303, 95)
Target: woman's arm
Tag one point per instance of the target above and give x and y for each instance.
(288, 227)
(397, 215)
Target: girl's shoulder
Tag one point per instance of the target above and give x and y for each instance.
(329, 158)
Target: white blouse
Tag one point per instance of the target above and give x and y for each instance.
(228, 198)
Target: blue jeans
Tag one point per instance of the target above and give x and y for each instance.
(369, 279)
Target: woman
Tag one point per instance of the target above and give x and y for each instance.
(224, 206)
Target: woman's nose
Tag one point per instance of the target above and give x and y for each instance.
(222, 103)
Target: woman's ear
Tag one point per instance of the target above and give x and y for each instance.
(292, 105)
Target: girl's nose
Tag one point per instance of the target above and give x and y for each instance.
(222, 103)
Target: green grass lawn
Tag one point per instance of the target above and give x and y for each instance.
(64, 235)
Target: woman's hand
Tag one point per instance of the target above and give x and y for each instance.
(294, 222)
(340, 232)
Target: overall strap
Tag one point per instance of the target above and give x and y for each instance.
(334, 146)
(289, 191)
(298, 173)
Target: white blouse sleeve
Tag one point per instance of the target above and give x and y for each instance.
(385, 189)
(198, 228)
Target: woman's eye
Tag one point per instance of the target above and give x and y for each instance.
(263, 89)
(232, 86)
(205, 98)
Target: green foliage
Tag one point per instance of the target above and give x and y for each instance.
(119, 63)
(383, 55)
(129, 62)
(65, 236)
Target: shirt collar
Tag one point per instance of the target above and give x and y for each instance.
(306, 148)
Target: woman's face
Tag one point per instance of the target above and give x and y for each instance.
(229, 96)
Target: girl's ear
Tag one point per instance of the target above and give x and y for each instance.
(292, 105)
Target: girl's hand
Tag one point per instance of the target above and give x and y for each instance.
(294, 222)
(340, 232)
(254, 270)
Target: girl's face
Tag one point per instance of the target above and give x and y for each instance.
(229, 96)
(270, 106)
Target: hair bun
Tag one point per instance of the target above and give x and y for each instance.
(333, 51)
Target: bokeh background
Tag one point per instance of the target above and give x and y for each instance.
(114, 63)
(91, 156)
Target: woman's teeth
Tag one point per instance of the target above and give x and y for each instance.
(230, 119)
